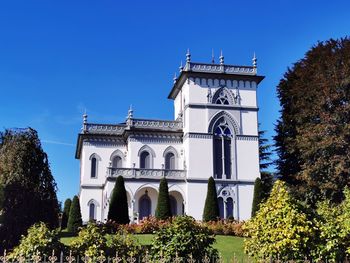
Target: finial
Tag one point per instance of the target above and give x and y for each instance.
(212, 57)
(254, 61)
(181, 67)
(188, 56)
(85, 117)
(175, 78)
(221, 58)
(130, 112)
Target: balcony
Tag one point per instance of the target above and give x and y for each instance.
(141, 173)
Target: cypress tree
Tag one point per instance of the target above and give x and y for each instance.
(211, 207)
(258, 195)
(65, 214)
(118, 208)
(74, 219)
(163, 210)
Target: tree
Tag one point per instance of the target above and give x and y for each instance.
(258, 196)
(280, 229)
(313, 132)
(118, 208)
(211, 207)
(163, 210)
(74, 219)
(28, 187)
(65, 214)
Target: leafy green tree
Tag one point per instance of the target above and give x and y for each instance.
(211, 207)
(118, 208)
(65, 214)
(183, 237)
(163, 210)
(280, 229)
(29, 189)
(258, 196)
(312, 135)
(74, 219)
(39, 239)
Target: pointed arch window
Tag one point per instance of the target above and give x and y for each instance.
(145, 160)
(92, 216)
(222, 99)
(117, 162)
(222, 150)
(170, 161)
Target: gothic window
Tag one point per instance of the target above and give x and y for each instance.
(222, 99)
(145, 206)
(229, 207)
(145, 160)
(223, 96)
(221, 207)
(93, 167)
(173, 205)
(117, 162)
(92, 212)
(170, 161)
(222, 150)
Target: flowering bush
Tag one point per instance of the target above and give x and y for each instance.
(225, 227)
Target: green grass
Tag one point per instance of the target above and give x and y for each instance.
(228, 246)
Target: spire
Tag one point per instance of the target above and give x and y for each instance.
(188, 56)
(175, 78)
(212, 56)
(254, 61)
(221, 58)
(130, 112)
(84, 122)
(181, 67)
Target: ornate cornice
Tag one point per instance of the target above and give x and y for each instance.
(247, 137)
(198, 135)
(219, 107)
(216, 68)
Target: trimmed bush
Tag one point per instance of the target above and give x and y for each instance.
(280, 229)
(184, 237)
(118, 208)
(163, 210)
(211, 208)
(74, 220)
(39, 239)
(258, 195)
(65, 214)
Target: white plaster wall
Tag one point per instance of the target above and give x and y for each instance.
(196, 194)
(247, 159)
(249, 123)
(86, 195)
(245, 201)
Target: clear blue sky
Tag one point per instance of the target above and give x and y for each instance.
(59, 57)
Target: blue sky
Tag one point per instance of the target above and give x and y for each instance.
(58, 58)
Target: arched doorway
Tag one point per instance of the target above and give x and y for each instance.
(173, 205)
(145, 206)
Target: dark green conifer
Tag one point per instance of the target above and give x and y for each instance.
(74, 219)
(118, 208)
(211, 207)
(65, 214)
(258, 196)
(163, 210)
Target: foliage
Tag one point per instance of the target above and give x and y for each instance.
(280, 229)
(264, 151)
(163, 210)
(225, 227)
(38, 239)
(258, 196)
(183, 237)
(65, 214)
(74, 219)
(313, 133)
(92, 242)
(211, 206)
(118, 208)
(29, 189)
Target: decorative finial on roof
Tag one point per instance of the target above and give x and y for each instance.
(188, 56)
(130, 112)
(221, 58)
(85, 117)
(254, 61)
(212, 56)
(175, 78)
(181, 67)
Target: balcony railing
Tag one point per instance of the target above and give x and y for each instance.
(146, 173)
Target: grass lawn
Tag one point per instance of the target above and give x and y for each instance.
(228, 246)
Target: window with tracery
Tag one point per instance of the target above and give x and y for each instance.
(222, 150)
(222, 98)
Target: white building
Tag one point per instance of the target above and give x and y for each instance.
(215, 133)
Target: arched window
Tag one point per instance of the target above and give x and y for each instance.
(170, 161)
(229, 207)
(222, 150)
(145, 160)
(93, 167)
(145, 206)
(117, 162)
(223, 96)
(92, 212)
(173, 205)
(221, 207)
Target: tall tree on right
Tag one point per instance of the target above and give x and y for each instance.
(313, 132)
(211, 207)
(74, 220)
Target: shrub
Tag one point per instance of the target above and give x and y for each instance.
(211, 207)
(258, 196)
(280, 229)
(65, 214)
(225, 227)
(38, 239)
(74, 220)
(124, 244)
(163, 210)
(151, 224)
(118, 208)
(183, 237)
